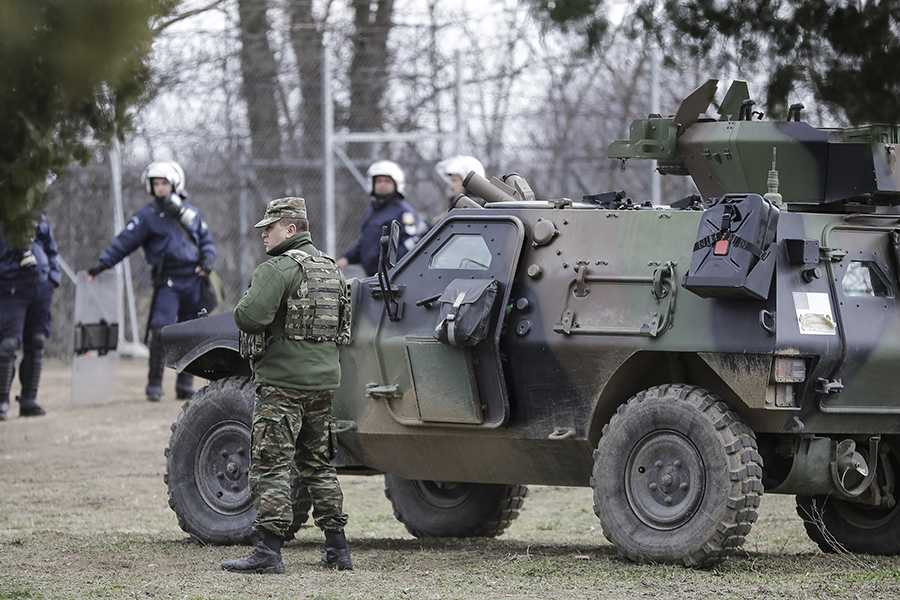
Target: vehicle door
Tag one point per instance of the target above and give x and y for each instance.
(865, 287)
(425, 381)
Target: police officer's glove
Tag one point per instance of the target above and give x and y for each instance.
(27, 260)
(96, 270)
(206, 265)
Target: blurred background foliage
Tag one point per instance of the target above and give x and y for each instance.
(69, 71)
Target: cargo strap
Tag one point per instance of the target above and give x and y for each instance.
(725, 234)
(451, 318)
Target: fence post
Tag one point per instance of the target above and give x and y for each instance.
(328, 109)
(126, 348)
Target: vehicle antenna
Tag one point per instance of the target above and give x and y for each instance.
(772, 183)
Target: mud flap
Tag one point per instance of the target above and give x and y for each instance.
(95, 338)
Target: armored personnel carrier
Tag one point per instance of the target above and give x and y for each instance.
(680, 360)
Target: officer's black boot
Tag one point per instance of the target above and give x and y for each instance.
(30, 376)
(265, 558)
(8, 347)
(184, 386)
(337, 552)
(157, 364)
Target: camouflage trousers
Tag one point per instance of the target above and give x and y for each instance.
(293, 427)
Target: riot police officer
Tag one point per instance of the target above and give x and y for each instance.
(454, 170)
(28, 277)
(387, 186)
(180, 249)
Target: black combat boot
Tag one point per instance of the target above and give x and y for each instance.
(184, 386)
(28, 407)
(337, 552)
(8, 349)
(157, 365)
(30, 376)
(265, 558)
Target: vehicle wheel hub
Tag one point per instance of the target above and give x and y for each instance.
(223, 462)
(665, 479)
(444, 495)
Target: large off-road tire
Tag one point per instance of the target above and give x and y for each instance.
(839, 525)
(207, 462)
(677, 478)
(438, 509)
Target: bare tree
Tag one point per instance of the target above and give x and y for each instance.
(307, 41)
(369, 69)
(260, 76)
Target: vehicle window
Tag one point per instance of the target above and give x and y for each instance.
(462, 251)
(864, 278)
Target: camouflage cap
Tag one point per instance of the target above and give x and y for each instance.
(292, 208)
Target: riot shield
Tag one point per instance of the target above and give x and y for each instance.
(96, 335)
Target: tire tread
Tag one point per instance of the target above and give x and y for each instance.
(745, 473)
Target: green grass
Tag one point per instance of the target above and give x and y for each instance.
(17, 594)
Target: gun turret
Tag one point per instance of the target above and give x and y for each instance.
(830, 169)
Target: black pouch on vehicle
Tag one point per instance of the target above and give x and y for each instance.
(465, 311)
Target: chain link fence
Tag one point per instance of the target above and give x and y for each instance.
(483, 83)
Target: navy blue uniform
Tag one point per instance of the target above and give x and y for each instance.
(368, 247)
(176, 285)
(172, 255)
(25, 298)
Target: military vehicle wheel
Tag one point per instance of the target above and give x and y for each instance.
(839, 525)
(207, 461)
(677, 478)
(439, 509)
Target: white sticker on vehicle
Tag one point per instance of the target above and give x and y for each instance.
(814, 313)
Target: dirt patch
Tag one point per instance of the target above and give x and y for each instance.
(101, 465)
(85, 515)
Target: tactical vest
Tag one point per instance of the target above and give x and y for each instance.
(315, 310)
(318, 310)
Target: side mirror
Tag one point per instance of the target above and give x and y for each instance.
(393, 244)
(387, 259)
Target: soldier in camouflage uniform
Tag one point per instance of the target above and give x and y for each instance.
(292, 319)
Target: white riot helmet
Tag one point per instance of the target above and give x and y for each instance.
(460, 165)
(169, 170)
(388, 169)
